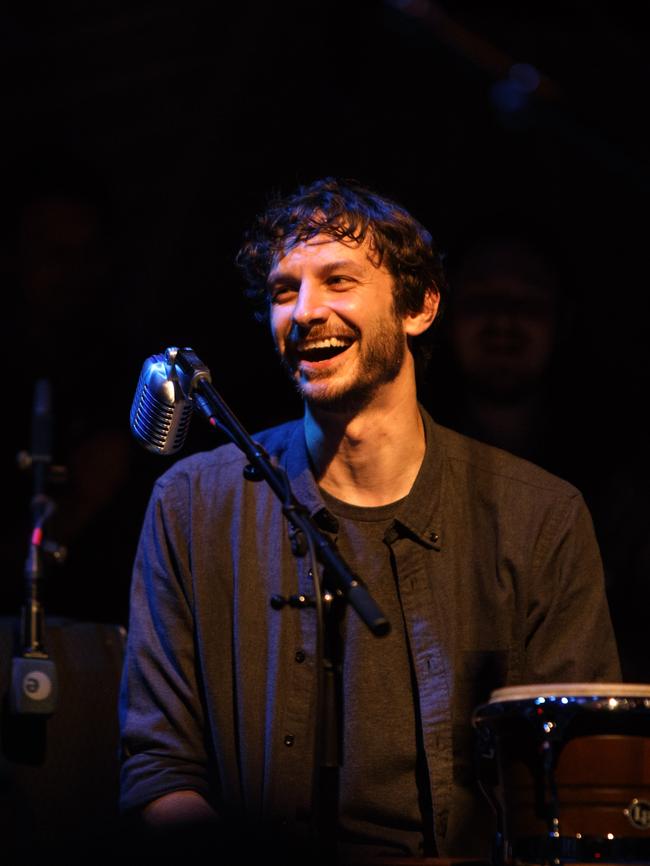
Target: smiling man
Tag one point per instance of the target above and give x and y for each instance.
(485, 566)
(333, 314)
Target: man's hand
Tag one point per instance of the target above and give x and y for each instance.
(179, 827)
(179, 808)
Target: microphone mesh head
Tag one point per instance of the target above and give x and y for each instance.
(160, 413)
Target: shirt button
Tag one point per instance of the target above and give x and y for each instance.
(300, 656)
(288, 739)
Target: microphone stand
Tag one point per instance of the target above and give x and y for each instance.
(34, 682)
(340, 585)
(343, 580)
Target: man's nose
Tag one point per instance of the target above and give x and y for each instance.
(310, 306)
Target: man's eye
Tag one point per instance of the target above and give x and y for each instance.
(282, 294)
(338, 280)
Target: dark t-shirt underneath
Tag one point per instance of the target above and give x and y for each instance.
(384, 801)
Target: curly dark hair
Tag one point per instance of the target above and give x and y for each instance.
(347, 211)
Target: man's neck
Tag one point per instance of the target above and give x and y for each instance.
(370, 458)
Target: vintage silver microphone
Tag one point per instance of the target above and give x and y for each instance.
(162, 406)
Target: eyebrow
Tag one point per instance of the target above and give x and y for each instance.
(325, 270)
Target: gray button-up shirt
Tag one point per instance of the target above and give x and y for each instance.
(500, 581)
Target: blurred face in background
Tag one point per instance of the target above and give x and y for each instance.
(503, 322)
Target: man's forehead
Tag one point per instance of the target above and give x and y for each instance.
(334, 248)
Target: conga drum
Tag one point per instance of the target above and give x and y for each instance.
(567, 769)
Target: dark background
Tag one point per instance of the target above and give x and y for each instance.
(139, 142)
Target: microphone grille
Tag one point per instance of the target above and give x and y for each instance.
(160, 413)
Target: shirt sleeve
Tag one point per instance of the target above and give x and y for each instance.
(161, 714)
(569, 634)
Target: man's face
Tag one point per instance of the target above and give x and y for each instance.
(334, 322)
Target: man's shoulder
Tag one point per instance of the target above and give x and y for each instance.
(488, 466)
(229, 460)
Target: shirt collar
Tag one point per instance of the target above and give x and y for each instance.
(419, 513)
(296, 463)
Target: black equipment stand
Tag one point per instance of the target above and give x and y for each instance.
(34, 683)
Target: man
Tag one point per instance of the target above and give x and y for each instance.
(485, 566)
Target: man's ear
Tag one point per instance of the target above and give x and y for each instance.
(417, 323)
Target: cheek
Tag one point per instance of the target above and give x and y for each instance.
(280, 322)
(541, 338)
(349, 307)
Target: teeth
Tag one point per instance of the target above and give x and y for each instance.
(329, 343)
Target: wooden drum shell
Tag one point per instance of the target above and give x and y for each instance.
(567, 768)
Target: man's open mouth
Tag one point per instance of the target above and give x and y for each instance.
(322, 350)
